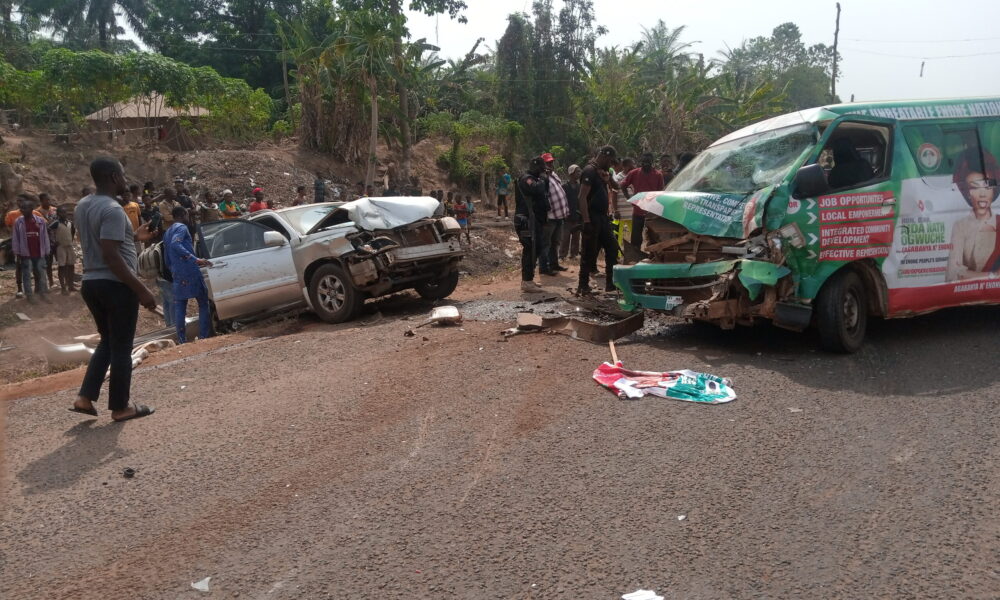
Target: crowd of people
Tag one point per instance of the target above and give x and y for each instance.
(560, 220)
(556, 220)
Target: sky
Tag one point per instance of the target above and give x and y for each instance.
(882, 42)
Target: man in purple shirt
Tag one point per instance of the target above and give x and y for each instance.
(31, 246)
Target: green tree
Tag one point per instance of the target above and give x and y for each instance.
(92, 23)
(783, 58)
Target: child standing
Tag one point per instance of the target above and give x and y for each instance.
(62, 231)
(462, 216)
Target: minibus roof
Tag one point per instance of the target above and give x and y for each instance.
(902, 110)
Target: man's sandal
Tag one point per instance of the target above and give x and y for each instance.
(141, 410)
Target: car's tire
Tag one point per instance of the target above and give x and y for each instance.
(334, 298)
(438, 289)
(842, 313)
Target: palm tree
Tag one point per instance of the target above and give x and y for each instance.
(663, 54)
(368, 45)
(80, 20)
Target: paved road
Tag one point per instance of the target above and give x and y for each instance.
(351, 462)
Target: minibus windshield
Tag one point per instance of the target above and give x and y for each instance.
(748, 164)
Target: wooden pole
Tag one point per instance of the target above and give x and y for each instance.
(836, 39)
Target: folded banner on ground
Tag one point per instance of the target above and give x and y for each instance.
(685, 385)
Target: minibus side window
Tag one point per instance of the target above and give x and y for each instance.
(856, 154)
(937, 150)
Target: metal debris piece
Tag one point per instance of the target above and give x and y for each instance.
(61, 354)
(443, 315)
(578, 329)
(128, 473)
(23, 316)
(201, 586)
(597, 306)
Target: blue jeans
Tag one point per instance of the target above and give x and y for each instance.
(167, 300)
(36, 266)
(204, 318)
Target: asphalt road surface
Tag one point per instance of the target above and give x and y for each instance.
(354, 462)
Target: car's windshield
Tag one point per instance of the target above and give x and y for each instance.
(748, 164)
(304, 218)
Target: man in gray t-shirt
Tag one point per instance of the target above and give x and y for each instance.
(99, 218)
(111, 290)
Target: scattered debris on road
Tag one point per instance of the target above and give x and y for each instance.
(201, 586)
(128, 473)
(578, 329)
(62, 354)
(685, 385)
(642, 595)
(23, 316)
(442, 315)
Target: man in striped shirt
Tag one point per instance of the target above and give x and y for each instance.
(548, 250)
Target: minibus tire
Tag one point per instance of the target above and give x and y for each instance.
(842, 313)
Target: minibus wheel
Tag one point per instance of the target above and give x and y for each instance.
(842, 313)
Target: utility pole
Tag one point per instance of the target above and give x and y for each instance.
(836, 39)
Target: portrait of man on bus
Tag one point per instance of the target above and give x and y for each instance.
(975, 246)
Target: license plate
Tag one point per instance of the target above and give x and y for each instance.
(673, 301)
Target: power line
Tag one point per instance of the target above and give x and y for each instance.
(916, 57)
(989, 39)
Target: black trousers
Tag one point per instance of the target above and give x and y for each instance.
(531, 241)
(115, 309)
(638, 222)
(597, 235)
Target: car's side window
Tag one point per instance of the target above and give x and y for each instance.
(273, 224)
(224, 238)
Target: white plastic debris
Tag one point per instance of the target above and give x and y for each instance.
(796, 410)
(201, 586)
(681, 517)
(642, 595)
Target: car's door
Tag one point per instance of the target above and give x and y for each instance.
(251, 272)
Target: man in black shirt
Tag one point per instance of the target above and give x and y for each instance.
(531, 194)
(594, 209)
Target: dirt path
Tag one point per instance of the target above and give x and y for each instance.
(352, 461)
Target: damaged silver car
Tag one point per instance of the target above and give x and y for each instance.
(329, 257)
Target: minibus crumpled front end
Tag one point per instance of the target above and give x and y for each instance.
(720, 280)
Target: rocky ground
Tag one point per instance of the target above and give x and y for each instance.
(304, 460)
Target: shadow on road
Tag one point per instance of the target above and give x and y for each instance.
(88, 447)
(944, 352)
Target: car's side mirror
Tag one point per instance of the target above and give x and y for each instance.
(810, 181)
(273, 239)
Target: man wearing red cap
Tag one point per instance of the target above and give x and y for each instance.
(258, 203)
(548, 250)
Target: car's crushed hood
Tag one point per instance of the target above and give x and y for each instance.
(388, 213)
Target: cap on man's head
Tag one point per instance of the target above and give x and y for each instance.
(573, 169)
(227, 192)
(257, 189)
(547, 157)
(608, 151)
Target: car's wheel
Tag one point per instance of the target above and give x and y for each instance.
(438, 289)
(333, 296)
(842, 313)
